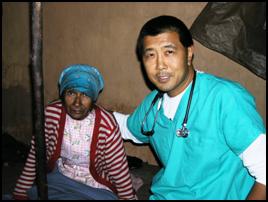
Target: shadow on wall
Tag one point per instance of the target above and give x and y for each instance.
(13, 151)
(17, 113)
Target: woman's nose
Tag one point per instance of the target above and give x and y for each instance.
(77, 100)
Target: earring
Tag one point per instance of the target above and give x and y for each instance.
(189, 63)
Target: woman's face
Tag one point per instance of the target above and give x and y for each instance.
(77, 104)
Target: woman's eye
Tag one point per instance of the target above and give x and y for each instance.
(70, 93)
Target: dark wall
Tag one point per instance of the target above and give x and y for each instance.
(102, 35)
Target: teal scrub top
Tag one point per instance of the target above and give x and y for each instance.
(223, 122)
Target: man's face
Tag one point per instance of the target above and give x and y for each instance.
(77, 104)
(165, 60)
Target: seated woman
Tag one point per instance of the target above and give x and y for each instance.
(85, 153)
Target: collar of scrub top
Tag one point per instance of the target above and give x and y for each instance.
(183, 132)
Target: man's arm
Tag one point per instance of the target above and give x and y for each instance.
(254, 158)
(258, 192)
(122, 122)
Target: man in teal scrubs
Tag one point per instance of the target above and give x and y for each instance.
(222, 155)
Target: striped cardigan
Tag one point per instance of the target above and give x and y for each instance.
(108, 162)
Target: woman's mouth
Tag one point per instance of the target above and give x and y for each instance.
(76, 111)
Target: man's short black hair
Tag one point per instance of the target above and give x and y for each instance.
(160, 25)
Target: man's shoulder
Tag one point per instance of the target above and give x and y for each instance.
(220, 83)
(218, 87)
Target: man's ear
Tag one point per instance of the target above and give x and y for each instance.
(190, 55)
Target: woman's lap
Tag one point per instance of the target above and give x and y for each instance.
(62, 187)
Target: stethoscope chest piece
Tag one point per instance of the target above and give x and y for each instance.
(183, 132)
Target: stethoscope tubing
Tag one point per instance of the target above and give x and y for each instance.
(183, 132)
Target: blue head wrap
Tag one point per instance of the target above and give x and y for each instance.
(82, 78)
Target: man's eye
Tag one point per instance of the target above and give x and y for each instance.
(169, 52)
(149, 55)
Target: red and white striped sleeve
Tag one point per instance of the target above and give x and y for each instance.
(116, 161)
(28, 175)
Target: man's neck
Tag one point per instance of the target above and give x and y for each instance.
(184, 84)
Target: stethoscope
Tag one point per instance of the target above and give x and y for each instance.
(183, 132)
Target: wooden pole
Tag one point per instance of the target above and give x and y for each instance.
(37, 76)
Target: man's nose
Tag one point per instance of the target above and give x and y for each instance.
(160, 62)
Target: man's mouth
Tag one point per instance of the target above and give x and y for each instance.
(163, 77)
